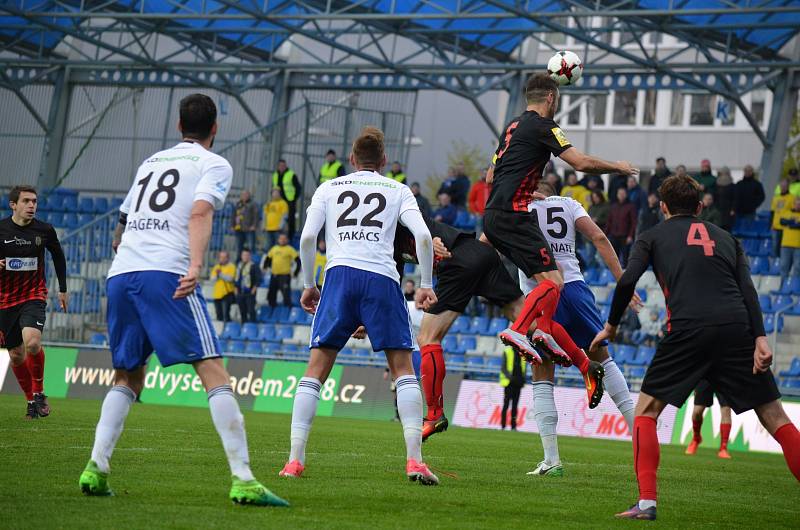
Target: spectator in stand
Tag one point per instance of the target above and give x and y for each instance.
(649, 331)
(783, 200)
(621, 225)
(446, 213)
(279, 261)
(276, 212)
(592, 182)
(554, 180)
(725, 198)
(320, 261)
(223, 274)
(248, 278)
(616, 182)
(478, 195)
(710, 213)
(636, 194)
(409, 289)
(422, 202)
(457, 186)
(245, 219)
(285, 180)
(659, 175)
(794, 182)
(396, 173)
(598, 211)
(790, 242)
(680, 171)
(749, 194)
(628, 326)
(573, 189)
(706, 178)
(332, 168)
(650, 215)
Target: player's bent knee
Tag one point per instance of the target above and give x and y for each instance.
(649, 406)
(33, 346)
(399, 362)
(133, 380)
(17, 355)
(600, 354)
(212, 373)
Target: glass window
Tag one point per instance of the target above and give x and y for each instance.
(600, 102)
(557, 38)
(726, 112)
(625, 107)
(574, 116)
(758, 105)
(676, 109)
(703, 109)
(650, 102)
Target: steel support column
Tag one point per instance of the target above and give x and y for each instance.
(56, 129)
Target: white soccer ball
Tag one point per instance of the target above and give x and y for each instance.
(565, 67)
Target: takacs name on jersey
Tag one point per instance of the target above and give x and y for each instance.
(360, 235)
(149, 223)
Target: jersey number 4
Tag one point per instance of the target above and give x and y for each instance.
(369, 219)
(164, 195)
(698, 236)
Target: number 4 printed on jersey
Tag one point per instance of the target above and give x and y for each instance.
(698, 236)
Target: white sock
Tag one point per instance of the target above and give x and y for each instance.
(304, 409)
(645, 504)
(230, 425)
(546, 415)
(409, 408)
(115, 409)
(617, 387)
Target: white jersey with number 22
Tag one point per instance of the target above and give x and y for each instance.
(159, 204)
(361, 212)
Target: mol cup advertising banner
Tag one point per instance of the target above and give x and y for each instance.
(480, 405)
(264, 386)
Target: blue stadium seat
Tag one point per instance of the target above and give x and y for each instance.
(116, 202)
(85, 219)
(249, 331)
(71, 203)
(231, 330)
(766, 302)
(795, 311)
(626, 354)
(496, 325)
(642, 294)
(792, 383)
(101, 205)
(98, 339)
(475, 362)
(253, 348)
(604, 277)
(284, 332)
(236, 346)
(645, 354)
(774, 267)
(479, 325)
(590, 275)
(264, 313)
(769, 322)
(55, 203)
(266, 332)
(71, 221)
(465, 220)
(280, 314)
(450, 344)
(637, 372)
(56, 219)
(455, 359)
(86, 205)
(764, 248)
(270, 347)
(794, 368)
(604, 312)
(460, 325)
(759, 265)
(297, 315)
(494, 362)
(782, 301)
(466, 344)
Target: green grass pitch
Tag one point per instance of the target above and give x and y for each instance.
(169, 471)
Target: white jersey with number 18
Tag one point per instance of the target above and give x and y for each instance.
(159, 205)
(361, 213)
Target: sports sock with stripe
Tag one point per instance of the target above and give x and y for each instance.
(789, 438)
(304, 409)
(409, 408)
(646, 455)
(576, 355)
(229, 423)
(433, 371)
(540, 305)
(546, 416)
(36, 368)
(23, 375)
(617, 387)
(116, 406)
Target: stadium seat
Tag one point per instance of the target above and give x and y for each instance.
(590, 275)
(450, 344)
(794, 369)
(475, 362)
(266, 332)
(56, 219)
(85, 218)
(280, 314)
(236, 346)
(231, 330)
(460, 325)
(765, 302)
(55, 203)
(795, 311)
(764, 248)
(71, 221)
(759, 265)
(774, 267)
(455, 359)
(479, 326)
(98, 339)
(642, 294)
(466, 344)
(496, 325)
(769, 322)
(793, 383)
(253, 348)
(782, 301)
(264, 313)
(645, 354)
(495, 363)
(297, 315)
(637, 372)
(71, 203)
(101, 205)
(284, 332)
(626, 354)
(604, 278)
(249, 331)
(86, 205)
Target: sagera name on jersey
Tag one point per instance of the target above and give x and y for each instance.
(557, 217)
(361, 213)
(159, 205)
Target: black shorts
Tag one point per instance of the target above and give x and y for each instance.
(722, 355)
(474, 270)
(704, 395)
(518, 237)
(30, 314)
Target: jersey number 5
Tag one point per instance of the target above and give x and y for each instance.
(698, 236)
(509, 132)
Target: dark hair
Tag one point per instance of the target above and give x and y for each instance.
(538, 87)
(198, 114)
(599, 194)
(368, 148)
(330, 152)
(681, 194)
(281, 160)
(16, 190)
(661, 159)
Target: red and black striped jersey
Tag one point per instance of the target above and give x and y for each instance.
(22, 247)
(521, 156)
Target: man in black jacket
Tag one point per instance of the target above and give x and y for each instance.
(248, 278)
(749, 194)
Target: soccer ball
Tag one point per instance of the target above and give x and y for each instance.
(565, 67)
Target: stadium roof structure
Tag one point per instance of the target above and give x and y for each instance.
(467, 47)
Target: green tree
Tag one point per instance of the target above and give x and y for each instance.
(792, 159)
(474, 158)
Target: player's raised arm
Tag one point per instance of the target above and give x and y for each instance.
(60, 263)
(580, 161)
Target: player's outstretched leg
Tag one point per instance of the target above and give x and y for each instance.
(433, 372)
(540, 305)
(697, 427)
(306, 399)
(116, 406)
(546, 415)
(615, 385)
(778, 424)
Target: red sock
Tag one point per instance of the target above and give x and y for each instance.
(24, 378)
(646, 453)
(36, 368)
(540, 305)
(563, 339)
(789, 439)
(725, 433)
(433, 371)
(696, 427)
